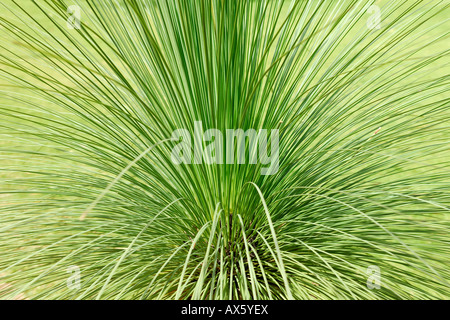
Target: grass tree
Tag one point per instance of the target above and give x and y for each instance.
(92, 92)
